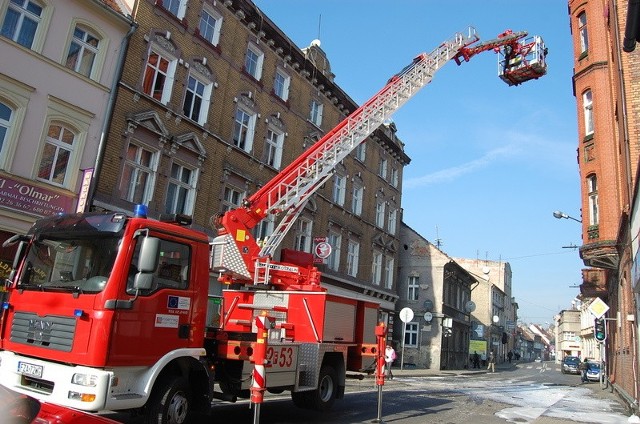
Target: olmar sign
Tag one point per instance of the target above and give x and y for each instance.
(32, 199)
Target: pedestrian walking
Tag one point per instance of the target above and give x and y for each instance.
(492, 362)
(509, 356)
(389, 357)
(476, 360)
(583, 367)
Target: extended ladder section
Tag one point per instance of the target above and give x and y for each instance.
(298, 182)
(235, 253)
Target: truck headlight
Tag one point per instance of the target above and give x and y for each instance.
(89, 380)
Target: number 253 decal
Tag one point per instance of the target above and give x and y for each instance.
(280, 357)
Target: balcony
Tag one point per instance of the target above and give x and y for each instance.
(600, 254)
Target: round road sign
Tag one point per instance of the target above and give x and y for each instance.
(406, 315)
(323, 250)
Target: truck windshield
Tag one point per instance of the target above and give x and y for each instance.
(80, 264)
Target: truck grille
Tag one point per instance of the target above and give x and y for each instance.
(51, 332)
(37, 384)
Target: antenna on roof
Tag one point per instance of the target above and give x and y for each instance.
(319, 23)
(438, 240)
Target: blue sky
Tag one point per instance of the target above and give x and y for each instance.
(489, 163)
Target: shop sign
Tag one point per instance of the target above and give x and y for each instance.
(32, 199)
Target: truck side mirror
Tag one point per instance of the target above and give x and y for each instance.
(149, 254)
(147, 262)
(143, 281)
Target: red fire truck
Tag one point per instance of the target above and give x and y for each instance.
(106, 311)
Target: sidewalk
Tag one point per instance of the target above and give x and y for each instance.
(425, 372)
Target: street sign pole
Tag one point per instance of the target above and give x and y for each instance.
(406, 315)
(404, 331)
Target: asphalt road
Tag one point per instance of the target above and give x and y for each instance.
(536, 393)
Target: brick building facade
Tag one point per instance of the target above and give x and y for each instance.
(215, 99)
(606, 86)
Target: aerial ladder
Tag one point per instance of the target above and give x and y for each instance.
(239, 258)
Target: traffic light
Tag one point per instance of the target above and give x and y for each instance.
(600, 329)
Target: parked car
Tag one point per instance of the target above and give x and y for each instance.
(21, 409)
(570, 365)
(593, 371)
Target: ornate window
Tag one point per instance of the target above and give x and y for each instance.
(587, 105)
(339, 189)
(6, 114)
(376, 268)
(592, 188)
(197, 98)
(160, 70)
(56, 156)
(243, 129)
(335, 240)
(210, 25)
(232, 197)
(264, 228)
(315, 114)
(388, 272)
(380, 208)
(413, 288)
(382, 168)
(357, 196)
(353, 258)
(411, 334)
(281, 84)
(138, 177)
(176, 7)
(392, 222)
(253, 62)
(584, 35)
(181, 189)
(83, 51)
(273, 147)
(361, 152)
(21, 21)
(303, 237)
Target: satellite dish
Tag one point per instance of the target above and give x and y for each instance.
(315, 43)
(470, 306)
(486, 270)
(496, 319)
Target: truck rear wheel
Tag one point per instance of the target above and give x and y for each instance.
(170, 403)
(322, 398)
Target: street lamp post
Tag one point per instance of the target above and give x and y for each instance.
(560, 215)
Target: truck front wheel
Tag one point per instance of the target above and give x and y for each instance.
(322, 398)
(170, 402)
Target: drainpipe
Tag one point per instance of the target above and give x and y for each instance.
(124, 47)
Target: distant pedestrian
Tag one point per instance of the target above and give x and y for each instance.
(389, 357)
(476, 360)
(583, 367)
(509, 356)
(492, 362)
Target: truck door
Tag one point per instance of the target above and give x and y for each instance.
(160, 318)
